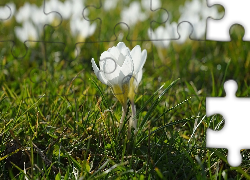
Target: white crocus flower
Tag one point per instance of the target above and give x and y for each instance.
(193, 16)
(24, 13)
(110, 4)
(121, 69)
(7, 11)
(164, 35)
(196, 13)
(148, 4)
(116, 69)
(132, 14)
(27, 32)
(81, 28)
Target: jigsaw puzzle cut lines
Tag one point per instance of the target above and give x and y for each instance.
(234, 135)
(57, 26)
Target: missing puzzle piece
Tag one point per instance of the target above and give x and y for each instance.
(234, 135)
(236, 12)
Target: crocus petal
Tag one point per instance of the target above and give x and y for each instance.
(136, 56)
(121, 59)
(127, 67)
(133, 85)
(117, 55)
(160, 32)
(138, 77)
(115, 81)
(113, 77)
(121, 46)
(143, 59)
(125, 51)
(121, 93)
(105, 59)
(122, 79)
(99, 73)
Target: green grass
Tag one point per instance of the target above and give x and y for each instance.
(59, 119)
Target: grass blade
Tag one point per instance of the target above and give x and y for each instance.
(155, 103)
(167, 125)
(100, 91)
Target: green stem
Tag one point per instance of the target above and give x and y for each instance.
(124, 111)
(134, 115)
(133, 120)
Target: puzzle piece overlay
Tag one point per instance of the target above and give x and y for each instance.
(234, 135)
(236, 12)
